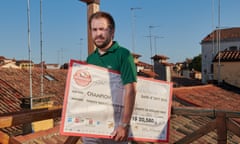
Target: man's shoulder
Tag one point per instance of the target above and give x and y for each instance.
(91, 56)
(123, 50)
(120, 47)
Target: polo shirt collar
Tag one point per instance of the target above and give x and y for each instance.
(111, 49)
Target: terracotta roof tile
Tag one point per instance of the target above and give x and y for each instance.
(146, 65)
(208, 96)
(14, 84)
(226, 35)
(158, 57)
(147, 73)
(18, 79)
(136, 55)
(9, 98)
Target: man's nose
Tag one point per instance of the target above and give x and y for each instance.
(99, 32)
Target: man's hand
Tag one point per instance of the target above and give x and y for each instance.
(120, 134)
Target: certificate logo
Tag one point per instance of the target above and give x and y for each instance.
(82, 78)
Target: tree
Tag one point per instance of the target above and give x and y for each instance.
(196, 63)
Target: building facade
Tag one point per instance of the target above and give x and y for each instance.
(229, 69)
(216, 41)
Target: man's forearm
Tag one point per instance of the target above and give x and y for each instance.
(129, 101)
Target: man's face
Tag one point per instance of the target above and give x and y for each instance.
(101, 33)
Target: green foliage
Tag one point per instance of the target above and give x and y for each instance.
(196, 63)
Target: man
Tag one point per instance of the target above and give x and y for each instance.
(111, 55)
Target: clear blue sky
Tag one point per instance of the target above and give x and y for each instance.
(180, 24)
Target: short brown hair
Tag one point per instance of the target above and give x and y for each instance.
(101, 14)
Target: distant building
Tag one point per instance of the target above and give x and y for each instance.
(160, 70)
(53, 66)
(7, 63)
(24, 64)
(136, 57)
(161, 67)
(229, 70)
(178, 68)
(196, 75)
(211, 45)
(143, 69)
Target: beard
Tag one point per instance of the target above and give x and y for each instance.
(101, 42)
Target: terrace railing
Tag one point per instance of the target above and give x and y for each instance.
(222, 121)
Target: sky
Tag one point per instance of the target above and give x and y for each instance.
(175, 27)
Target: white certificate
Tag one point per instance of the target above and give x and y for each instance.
(93, 104)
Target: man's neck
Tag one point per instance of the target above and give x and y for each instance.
(101, 52)
(104, 50)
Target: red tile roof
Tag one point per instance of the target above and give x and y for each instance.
(158, 57)
(9, 102)
(145, 65)
(179, 81)
(2, 58)
(136, 55)
(228, 34)
(180, 126)
(9, 98)
(19, 80)
(207, 96)
(147, 73)
(14, 85)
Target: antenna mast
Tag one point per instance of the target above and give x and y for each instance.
(41, 47)
(29, 52)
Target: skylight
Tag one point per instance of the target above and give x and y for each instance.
(48, 77)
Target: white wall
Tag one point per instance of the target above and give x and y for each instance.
(208, 53)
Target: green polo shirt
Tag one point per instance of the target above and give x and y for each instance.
(116, 58)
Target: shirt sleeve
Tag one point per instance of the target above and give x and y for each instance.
(128, 68)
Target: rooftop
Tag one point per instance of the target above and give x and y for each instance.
(226, 35)
(14, 85)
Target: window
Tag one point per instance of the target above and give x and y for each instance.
(211, 68)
